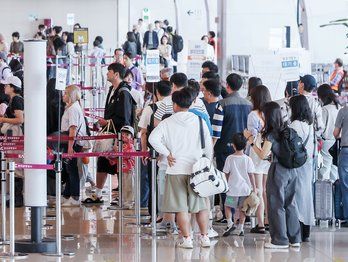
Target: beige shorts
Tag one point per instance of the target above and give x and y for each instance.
(179, 196)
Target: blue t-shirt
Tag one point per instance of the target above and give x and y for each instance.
(204, 116)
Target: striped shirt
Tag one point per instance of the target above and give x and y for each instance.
(166, 108)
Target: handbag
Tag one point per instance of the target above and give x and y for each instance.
(206, 180)
(11, 129)
(105, 145)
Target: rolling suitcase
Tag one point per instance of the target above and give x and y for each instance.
(323, 204)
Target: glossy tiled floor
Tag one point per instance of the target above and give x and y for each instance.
(103, 235)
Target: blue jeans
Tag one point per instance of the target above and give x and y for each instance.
(343, 175)
(144, 187)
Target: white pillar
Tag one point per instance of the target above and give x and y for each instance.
(35, 122)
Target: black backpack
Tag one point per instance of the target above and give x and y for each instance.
(151, 125)
(292, 150)
(178, 43)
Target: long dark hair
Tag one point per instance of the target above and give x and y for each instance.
(300, 109)
(260, 95)
(326, 95)
(253, 82)
(273, 120)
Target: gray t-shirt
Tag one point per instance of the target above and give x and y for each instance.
(342, 122)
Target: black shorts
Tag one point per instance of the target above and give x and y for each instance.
(104, 166)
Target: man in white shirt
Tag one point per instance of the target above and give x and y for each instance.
(159, 30)
(178, 81)
(178, 139)
(146, 125)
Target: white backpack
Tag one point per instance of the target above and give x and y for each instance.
(205, 179)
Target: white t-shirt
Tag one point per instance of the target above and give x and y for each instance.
(146, 115)
(73, 116)
(239, 167)
(138, 98)
(144, 122)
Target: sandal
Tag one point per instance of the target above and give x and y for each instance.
(92, 200)
(258, 230)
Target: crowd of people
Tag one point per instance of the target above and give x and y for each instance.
(243, 136)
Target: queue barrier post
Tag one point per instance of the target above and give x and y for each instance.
(12, 254)
(3, 198)
(154, 233)
(58, 171)
(137, 186)
(120, 174)
(153, 191)
(137, 194)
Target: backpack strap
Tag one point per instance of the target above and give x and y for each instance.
(2, 72)
(201, 132)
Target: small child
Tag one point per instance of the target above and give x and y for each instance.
(239, 169)
(128, 164)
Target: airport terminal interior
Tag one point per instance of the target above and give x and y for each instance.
(174, 130)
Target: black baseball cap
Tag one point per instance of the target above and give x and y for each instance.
(309, 82)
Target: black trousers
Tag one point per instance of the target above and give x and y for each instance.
(305, 231)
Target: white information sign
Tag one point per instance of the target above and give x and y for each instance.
(70, 19)
(152, 66)
(290, 65)
(197, 54)
(61, 78)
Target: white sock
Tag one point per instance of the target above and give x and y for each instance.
(98, 192)
(241, 227)
(229, 222)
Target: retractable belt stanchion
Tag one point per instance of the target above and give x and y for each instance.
(12, 254)
(120, 174)
(137, 212)
(154, 233)
(3, 198)
(137, 191)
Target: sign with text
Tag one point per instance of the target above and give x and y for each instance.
(152, 66)
(81, 36)
(61, 78)
(197, 54)
(290, 65)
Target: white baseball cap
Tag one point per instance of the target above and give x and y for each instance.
(128, 129)
(14, 80)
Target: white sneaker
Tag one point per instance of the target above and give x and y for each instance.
(185, 242)
(295, 244)
(212, 233)
(272, 246)
(71, 202)
(204, 241)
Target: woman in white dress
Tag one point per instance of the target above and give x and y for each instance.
(259, 96)
(302, 122)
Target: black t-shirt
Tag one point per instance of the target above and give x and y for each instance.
(17, 103)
